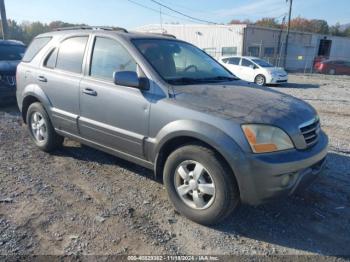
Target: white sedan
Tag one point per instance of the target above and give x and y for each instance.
(253, 69)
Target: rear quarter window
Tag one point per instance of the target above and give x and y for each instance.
(35, 47)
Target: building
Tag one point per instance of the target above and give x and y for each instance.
(267, 43)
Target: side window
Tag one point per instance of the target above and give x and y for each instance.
(234, 61)
(50, 61)
(35, 47)
(246, 63)
(71, 54)
(108, 57)
(225, 60)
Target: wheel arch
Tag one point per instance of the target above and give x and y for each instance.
(189, 132)
(31, 95)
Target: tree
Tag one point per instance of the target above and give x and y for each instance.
(26, 31)
(335, 30)
(240, 22)
(268, 22)
(319, 26)
(347, 32)
(301, 24)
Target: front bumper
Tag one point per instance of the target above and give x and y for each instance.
(278, 80)
(274, 175)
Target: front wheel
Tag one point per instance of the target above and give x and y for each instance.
(41, 130)
(260, 80)
(200, 185)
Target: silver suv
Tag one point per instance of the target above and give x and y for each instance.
(166, 105)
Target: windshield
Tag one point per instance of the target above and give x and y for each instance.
(262, 63)
(11, 52)
(181, 63)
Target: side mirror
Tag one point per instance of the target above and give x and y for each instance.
(130, 79)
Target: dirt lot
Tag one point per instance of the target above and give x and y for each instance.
(81, 201)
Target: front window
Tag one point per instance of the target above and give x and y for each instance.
(181, 63)
(262, 63)
(11, 52)
(108, 57)
(247, 63)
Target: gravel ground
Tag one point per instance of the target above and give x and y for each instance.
(81, 201)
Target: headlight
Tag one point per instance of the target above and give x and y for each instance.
(264, 138)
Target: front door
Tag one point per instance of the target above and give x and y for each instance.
(111, 115)
(247, 70)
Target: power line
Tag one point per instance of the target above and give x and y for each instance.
(185, 15)
(184, 7)
(155, 10)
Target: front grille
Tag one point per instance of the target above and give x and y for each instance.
(310, 132)
(9, 80)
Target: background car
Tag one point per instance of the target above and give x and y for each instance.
(333, 67)
(253, 69)
(11, 53)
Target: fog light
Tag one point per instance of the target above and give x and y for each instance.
(288, 179)
(285, 180)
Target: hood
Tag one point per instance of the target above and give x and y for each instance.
(8, 67)
(245, 103)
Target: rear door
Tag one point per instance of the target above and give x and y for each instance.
(60, 78)
(111, 115)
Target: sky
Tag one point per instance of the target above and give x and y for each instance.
(125, 13)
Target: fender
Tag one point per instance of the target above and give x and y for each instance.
(35, 91)
(204, 132)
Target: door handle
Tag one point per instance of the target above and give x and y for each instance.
(89, 91)
(42, 79)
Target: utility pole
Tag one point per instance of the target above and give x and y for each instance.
(161, 19)
(288, 29)
(5, 28)
(280, 44)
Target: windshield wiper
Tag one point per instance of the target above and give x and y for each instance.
(220, 78)
(184, 80)
(188, 80)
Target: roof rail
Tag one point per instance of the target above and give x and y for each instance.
(164, 34)
(92, 28)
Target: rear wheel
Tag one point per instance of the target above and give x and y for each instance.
(260, 80)
(200, 185)
(41, 130)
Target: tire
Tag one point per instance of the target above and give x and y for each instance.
(332, 71)
(260, 80)
(41, 130)
(217, 205)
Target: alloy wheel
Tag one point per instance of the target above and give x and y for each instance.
(194, 185)
(39, 127)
